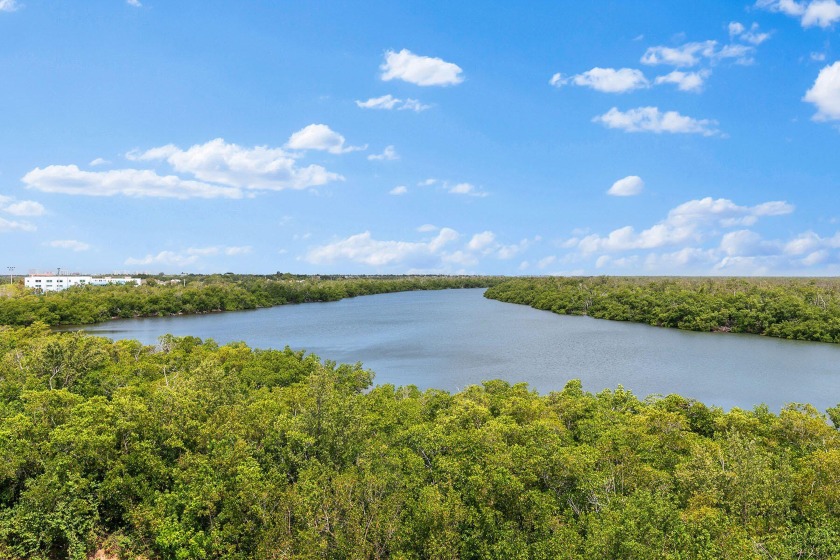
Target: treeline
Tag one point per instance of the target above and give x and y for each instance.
(160, 296)
(190, 450)
(801, 309)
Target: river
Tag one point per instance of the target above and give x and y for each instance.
(450, 339)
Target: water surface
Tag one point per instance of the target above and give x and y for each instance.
(450, 339)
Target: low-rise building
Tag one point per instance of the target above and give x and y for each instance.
(56, 283)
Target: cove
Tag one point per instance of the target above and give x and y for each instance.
(450, 339)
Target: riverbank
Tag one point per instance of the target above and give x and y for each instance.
(792, 308)
(449, 339)
(165, 296)
(187, 449)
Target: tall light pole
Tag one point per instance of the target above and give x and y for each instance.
(11, 273)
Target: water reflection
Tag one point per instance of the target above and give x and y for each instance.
(453, 338)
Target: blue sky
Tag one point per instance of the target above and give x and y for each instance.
(603, 137)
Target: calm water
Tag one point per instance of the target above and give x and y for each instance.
(453, 338)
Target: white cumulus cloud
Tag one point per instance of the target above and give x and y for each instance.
(320, 137)
(608, 80)
(822, 13)
(651, 119)
(26, 208)
(709, 236)
(685, 81)
(8, 5)
(398, 190)
(809, 242)
(481, 240)
(362, 248)
(628, 186)
(788, 7)
(689, 222)
(825, 93)
(69, 179)
(420, 70)
(231, 165)
(746, 242)
(505, 252)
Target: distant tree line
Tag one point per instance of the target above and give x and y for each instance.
(160, 296)
(186, 449)
(801, 309)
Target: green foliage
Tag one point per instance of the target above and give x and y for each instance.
(190, 450)
(82, 305)
(795, 308)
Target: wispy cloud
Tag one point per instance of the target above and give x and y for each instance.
(389, 102)
(14, 225)
(188, 256)
(389, 154)
(752, 35)
(466, 189)
(70, 244)
(9, 5)
(691, 54)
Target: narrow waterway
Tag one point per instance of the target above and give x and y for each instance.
(453, 338)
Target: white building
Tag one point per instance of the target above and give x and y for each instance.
(56, 283)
